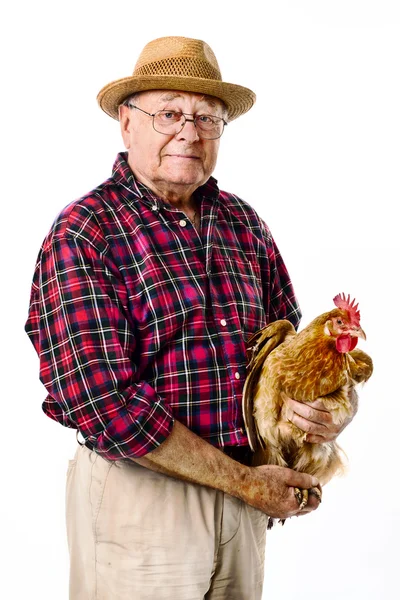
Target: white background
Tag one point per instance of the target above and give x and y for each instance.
(318, 157)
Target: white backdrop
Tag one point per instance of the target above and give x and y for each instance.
(318, 157)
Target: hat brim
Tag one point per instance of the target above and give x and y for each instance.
(237, 98)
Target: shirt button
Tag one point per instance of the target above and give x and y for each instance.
(223, 322)
(237, 375)
(182, 223)
(154, 207)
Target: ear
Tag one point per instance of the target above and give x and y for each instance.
(124, 114)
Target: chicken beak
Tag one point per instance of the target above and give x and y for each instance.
(358, 332)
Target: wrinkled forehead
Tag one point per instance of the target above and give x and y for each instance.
(161, 97)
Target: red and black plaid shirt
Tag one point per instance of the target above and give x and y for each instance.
(139, 320)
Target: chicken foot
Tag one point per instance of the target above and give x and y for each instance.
(302, 498)
(302, 495)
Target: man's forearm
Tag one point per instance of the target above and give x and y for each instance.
(186, 456)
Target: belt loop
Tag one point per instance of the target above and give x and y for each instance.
(77, 438)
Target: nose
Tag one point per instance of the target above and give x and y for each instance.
(188, 131)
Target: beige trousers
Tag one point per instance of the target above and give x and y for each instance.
(138, 535)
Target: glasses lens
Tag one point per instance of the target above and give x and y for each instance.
(166, 121)
(171, 122)
(209, 125)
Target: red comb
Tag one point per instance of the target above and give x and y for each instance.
(351, 307)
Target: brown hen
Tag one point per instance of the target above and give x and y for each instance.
(319, 362)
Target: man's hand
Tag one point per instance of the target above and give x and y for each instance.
(316, 420)
(271, 489)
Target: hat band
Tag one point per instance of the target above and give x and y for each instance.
(180, 67)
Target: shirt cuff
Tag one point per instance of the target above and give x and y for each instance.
(139, 428)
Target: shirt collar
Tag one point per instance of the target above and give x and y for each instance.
(137, 191)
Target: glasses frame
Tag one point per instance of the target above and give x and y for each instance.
(185, 116)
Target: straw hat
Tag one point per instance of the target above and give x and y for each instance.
(177, 63)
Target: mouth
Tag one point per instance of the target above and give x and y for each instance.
(184, 156)
(358, 332)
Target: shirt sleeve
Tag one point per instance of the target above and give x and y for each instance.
(80, 325)
(280, 298)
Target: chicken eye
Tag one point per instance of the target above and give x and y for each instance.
(339, 322)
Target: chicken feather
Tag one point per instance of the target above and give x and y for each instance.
(320, 362)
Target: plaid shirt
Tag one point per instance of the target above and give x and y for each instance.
(139, 320)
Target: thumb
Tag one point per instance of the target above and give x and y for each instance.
(301, 480)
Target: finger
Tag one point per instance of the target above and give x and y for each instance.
(306, 511)
(319, 439)
(300, 480)
(318, 404)
(307, 411)
(312, 504)
(309, 426)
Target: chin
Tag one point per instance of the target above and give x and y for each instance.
(186, 178)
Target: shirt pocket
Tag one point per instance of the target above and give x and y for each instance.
(245, 282)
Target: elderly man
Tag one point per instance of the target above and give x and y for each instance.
(144, 295)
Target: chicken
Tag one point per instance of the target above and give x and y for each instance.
(320, 362)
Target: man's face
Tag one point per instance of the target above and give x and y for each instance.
(169, 164)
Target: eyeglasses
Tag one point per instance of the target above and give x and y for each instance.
(171, 122)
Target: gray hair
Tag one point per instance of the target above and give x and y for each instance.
(130, 99)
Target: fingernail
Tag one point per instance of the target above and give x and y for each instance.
(314, 481)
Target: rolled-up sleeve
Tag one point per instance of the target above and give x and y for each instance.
(81, 328)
